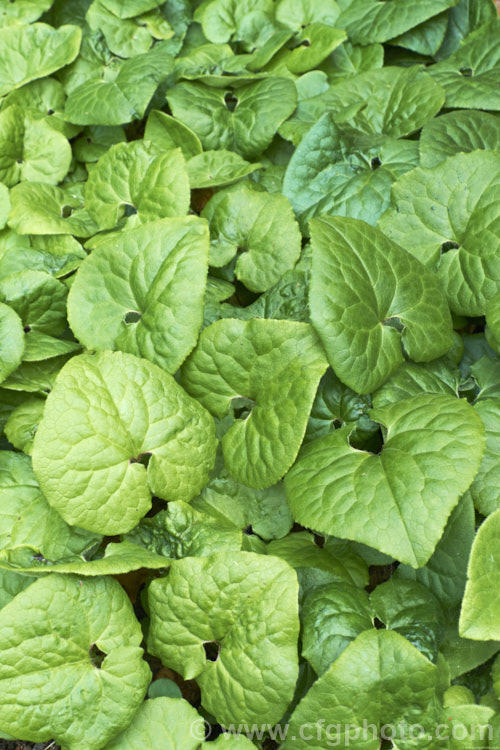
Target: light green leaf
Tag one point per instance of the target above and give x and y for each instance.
(455, 132)
(22, 424)
(217, 168)
(11, 144)
(380, 679)
(125, 37)
(96, 140)
(54, 254)
(333, 615)
(433, 447)
(233, 742)
(183, 531)
(34, 51)
(43, 100)
(287, 300)
(470, 75)
(492, 329)
(410, 379)
(4, 205)
(469, 724)
(142, 292)
(312, 45)
(39, 346)
(242, 19)
(11, 341)
(392, 101)
(138, 177)
(244, 121)
(38, 208)
(35, 377)
(162, 722)
(132, 8)
(27, 519)
(446, 570)
(199, 61)
(447, 216)
(335, 561)
(119, 559)
(125, 408)
(22, 11)
(167, 133)
(46, 635)
(299, 13)
(458, 695)
(259, 228)
(252, 359)
(484, 489)
(32, 149)
(116, 99)
(249, 606)
(38, 298)
(479, 619)
(382, 299)
(338, 170)
(230, 503)
(8, 402)
(368, 21)
(11, 584)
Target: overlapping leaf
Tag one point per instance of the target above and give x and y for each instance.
(250, 361)
(105, 412)
(238, 593)
(369, 298)
(433, 447)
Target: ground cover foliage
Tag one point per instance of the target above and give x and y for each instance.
(249, 373)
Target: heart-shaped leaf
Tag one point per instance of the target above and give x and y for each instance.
(148, 285)
(34, 51)
(470, 75)
(259, 228)
(368, 686)
(249, 605)
(339, 170)
(108, 416)
(244, 121)
(251, 361)
(448, 217)
(53, 638)
(433, 448)
(368, 298)
(31, 149)
(113, 99)
(139, 178)
(38, 208)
